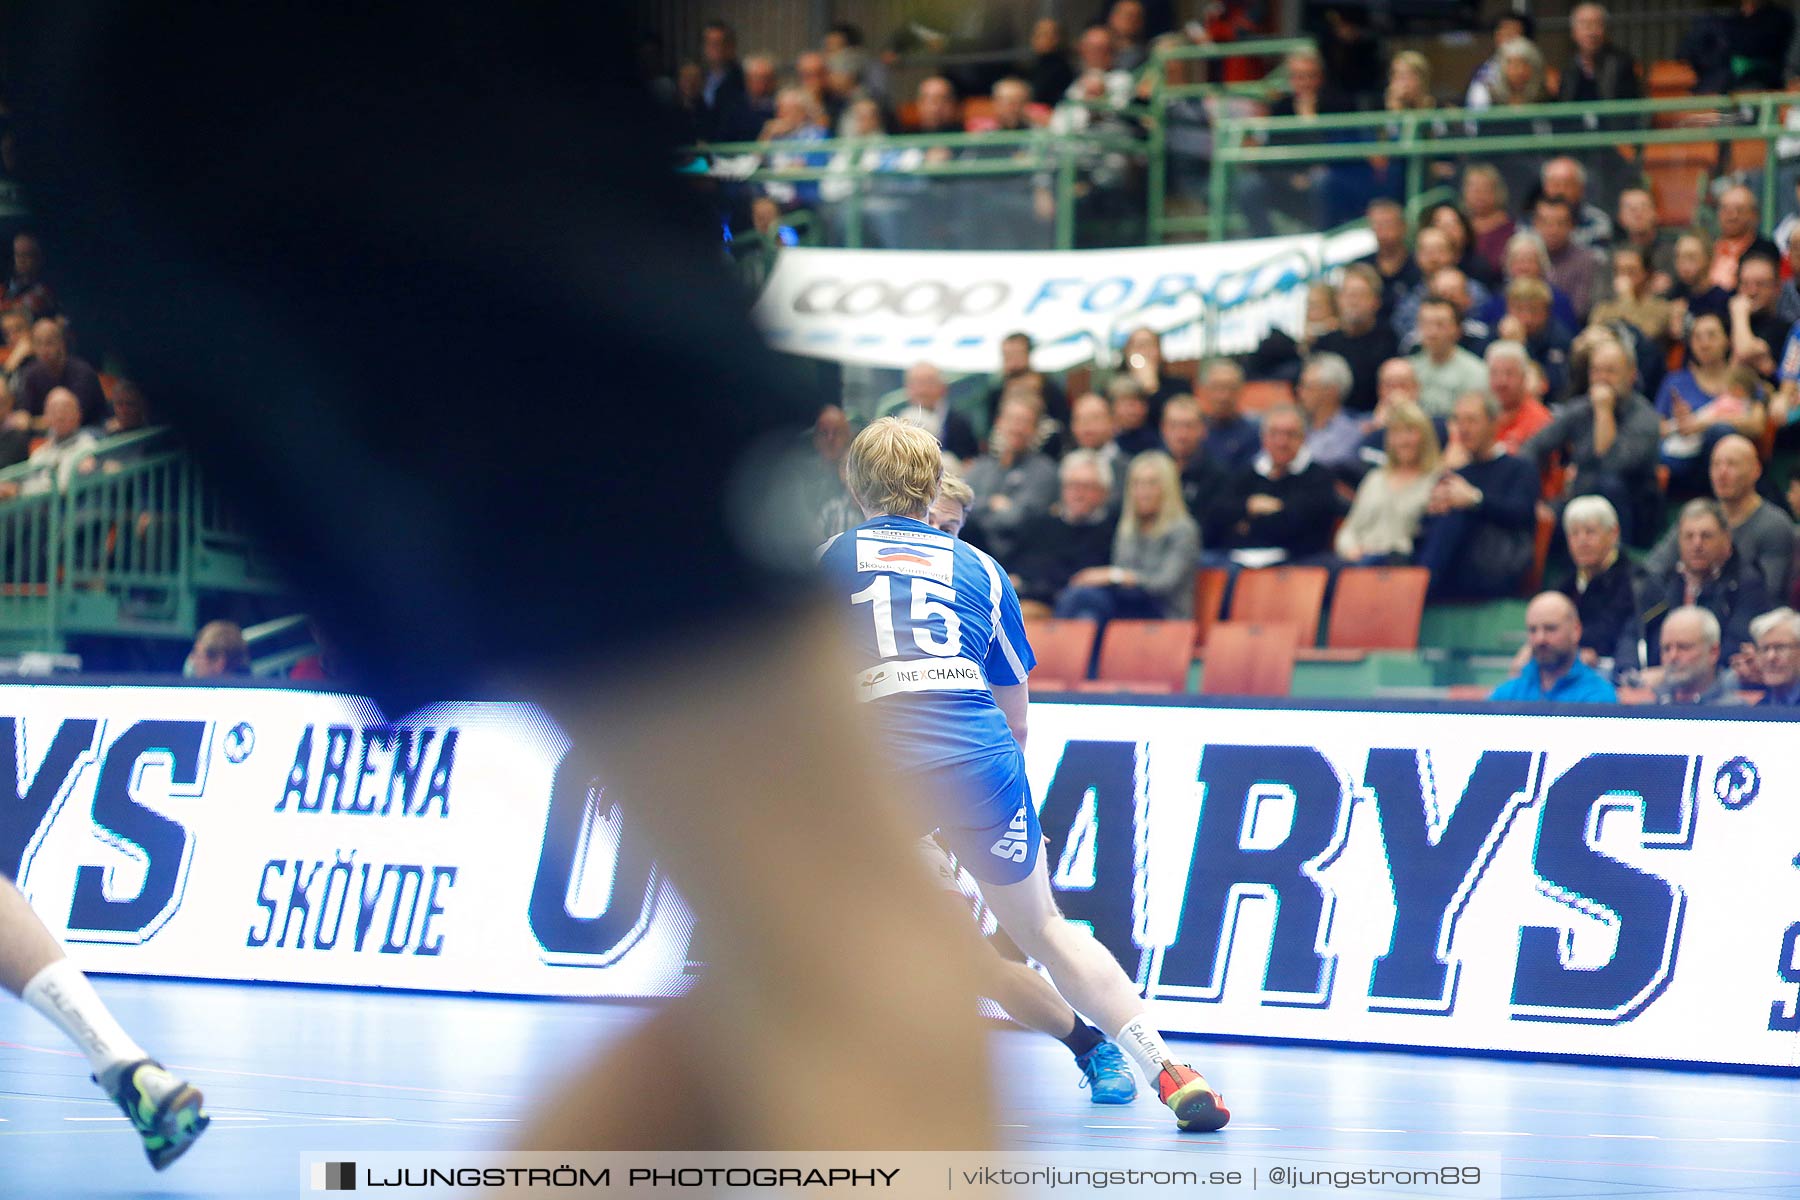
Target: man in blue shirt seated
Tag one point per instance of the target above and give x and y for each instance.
(1555, 673)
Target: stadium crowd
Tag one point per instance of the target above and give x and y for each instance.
(1540, 350)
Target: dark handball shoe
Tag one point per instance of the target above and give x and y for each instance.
(1107, 1076)
(168, 1113)
(1197, 1108)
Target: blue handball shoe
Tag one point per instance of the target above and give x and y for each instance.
(1107, 1076)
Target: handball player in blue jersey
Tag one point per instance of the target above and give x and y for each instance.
(937, 627)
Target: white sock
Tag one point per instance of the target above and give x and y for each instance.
(63, 994)
(1146, 1047)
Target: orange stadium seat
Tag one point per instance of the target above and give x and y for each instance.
(1291, 595)
(1377, 608)
(1063, 648)
(1678, 176)
(1249, 658)
(1144, 656)
(1209, 598)
(1671, 77)
(1260, 395)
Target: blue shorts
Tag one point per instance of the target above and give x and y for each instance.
(985, 815)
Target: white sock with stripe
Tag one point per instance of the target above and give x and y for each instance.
(68, 1001)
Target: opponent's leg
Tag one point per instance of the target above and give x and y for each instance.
(1085, 972)
(1029, 998)
(166, 1112)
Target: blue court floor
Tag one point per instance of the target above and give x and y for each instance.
(289, 1071)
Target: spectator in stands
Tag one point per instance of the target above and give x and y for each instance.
(16, 324)
(326, 663)
(1520, 79)
(1777, 637)
(1396, 383)
(928, 407)
(131, 412)
(1684, 403)
(1739, 235)
(1762, 533)
(1125, 21)
(1509, 27)
(1574, 268)
(54, 367)
(1432, 252)
(1607, 440)
(1012, 109)
(1689, 641)
(725, 108)
(1144, 363)
(1362, 339)
(1477, 540)
(1232, 439)
(812, 77)
(1556, 673)
(26, 288)
(1279, 508)
(1691, 291)
(1708, 573)
(1298, 191)
(1521, 413)
(66, 446)
(1131, 418)
(1634, 300)
(1015, 363)
(1091, 428)
(1050, 74)
(950, 511)
(1787, 305)
(760, 85)
(1636, 227)
(1758, 333)
(15, 439)
(1383, 524)
(1444, 369)
(1739, 49)
(1333, 437)
(1546, 340)
(1077, 532)
(1484, 201)
(1600, 585)
(936, 108)
(219, 651)
(1183, 432)
(1155, 553)
(1100, 85)
(1393, 259)
(1526, 258)
(1012, 481)
(1457, 227)
(1453, 285)
(1598, 69)
(822, 475)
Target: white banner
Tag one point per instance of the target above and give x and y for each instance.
(1558, 883)
(896, 307)
(257, 834)
(1610, 884)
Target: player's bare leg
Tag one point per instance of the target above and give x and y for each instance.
(167, 1113)
(1094, 982)
(749, 770)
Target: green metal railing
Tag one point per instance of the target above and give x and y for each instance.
(124, 544)
(1042, 157)
(1417, 136)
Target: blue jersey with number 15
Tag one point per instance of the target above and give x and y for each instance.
(935, 623)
